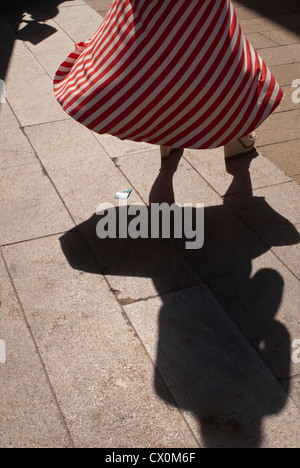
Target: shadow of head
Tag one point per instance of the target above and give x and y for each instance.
(35, 32)
(212, 371)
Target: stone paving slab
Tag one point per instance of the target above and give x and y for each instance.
(143, 169)
(287, 104)
(30, 416)
(264, 24)
(136, 269)
(212, 166)
(30, 206)
(79, 22)
(244, 273)
(281, 55)
(273, 214)
(283, 126)
(79, 166)
(260, 41)
(35, 82)
(195, 348)
(263, 301)
(86, 177)
(98, 367)
(101, 6)
(116, 148)
(52, 50)
(295, 389)
(286, 74)
(15, 148)
(264, 21)
(283, 37)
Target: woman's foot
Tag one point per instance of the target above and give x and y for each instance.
(165, 151)
(240, 147)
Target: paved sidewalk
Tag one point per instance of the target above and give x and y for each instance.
(141, 343)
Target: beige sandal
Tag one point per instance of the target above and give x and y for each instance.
(240, 147)
(165, 151)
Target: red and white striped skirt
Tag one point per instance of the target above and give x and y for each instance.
(177, 73)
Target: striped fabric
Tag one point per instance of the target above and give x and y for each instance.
(177, 73)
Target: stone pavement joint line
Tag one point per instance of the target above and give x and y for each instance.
(141, 343)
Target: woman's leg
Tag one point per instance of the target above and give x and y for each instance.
(165, 151)
(240, 147)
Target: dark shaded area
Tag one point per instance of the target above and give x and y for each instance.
(206, 365)
(12, 14)
(284, 13)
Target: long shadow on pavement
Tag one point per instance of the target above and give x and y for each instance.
(210, 370)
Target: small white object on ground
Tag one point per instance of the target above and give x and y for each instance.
(123, 195)
(2, 352)
(2, 92)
